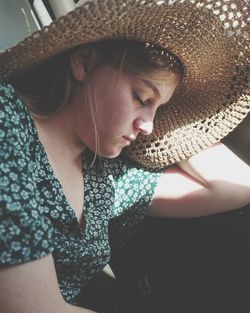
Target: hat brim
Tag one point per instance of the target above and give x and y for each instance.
(214, 96)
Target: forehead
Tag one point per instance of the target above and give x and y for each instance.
(160, 87)
(157, 78)
(115, 78)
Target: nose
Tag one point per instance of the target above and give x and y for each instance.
(145, 127)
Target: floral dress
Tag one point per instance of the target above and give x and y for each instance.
(35, 216)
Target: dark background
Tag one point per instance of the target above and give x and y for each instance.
(197, 265)
(190, 265)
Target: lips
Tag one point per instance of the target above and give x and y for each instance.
(128, 140)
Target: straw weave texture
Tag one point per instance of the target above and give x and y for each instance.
(211, 38)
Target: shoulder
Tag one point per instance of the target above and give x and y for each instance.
(16, 127)
(133, 185)
(9, 100)
(122, 167)
(131, 177)
(16, 139)
(12, 108)
(24, 232)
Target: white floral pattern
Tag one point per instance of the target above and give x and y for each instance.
(35, 217)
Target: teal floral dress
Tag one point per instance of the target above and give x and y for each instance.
(36, 218)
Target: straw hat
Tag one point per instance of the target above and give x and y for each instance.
(210, 37)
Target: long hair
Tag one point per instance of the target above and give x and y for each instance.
(46, 88)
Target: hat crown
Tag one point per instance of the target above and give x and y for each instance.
(210, 37)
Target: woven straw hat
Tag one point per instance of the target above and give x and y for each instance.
(210, 37)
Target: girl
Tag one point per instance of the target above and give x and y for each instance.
(74, 95)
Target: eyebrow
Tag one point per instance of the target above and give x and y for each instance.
(153, 87)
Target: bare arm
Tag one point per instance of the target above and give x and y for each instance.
(33, 287)
(213, 181)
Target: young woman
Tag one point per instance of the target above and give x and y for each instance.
(74, 95)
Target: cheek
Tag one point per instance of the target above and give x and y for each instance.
(113, 109)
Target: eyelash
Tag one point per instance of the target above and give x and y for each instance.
(136, 97)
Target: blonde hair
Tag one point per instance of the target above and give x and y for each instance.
(47, 87)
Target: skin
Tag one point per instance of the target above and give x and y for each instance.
(121, 116)
(212, 181)
(126, 106)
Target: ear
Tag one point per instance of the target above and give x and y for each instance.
(77, 67)
(82, 61)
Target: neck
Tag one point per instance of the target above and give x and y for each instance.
(57, 134)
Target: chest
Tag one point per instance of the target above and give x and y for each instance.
(71, 180)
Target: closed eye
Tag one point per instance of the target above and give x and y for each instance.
(137, 98)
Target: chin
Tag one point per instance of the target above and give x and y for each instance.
(110, 154)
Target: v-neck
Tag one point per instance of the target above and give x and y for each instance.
(45, 221)
(54, 178)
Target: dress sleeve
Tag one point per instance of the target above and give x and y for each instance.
(25, 234)
(134, 191)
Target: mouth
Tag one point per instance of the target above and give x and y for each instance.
(128, 140)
